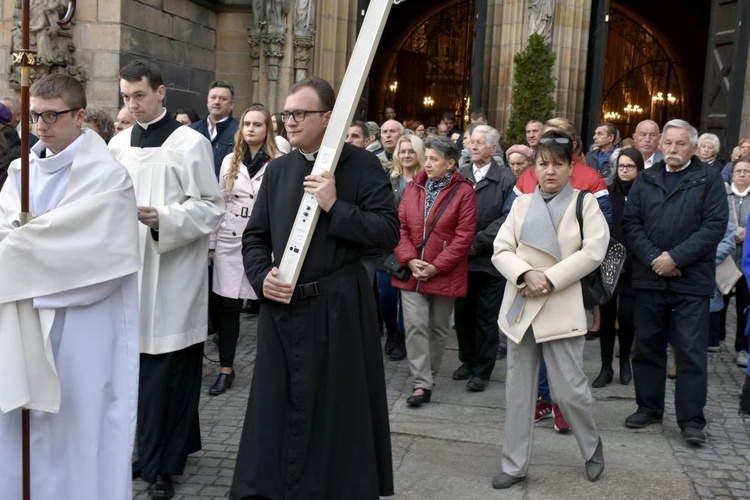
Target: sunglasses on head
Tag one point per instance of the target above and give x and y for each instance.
(559, 140)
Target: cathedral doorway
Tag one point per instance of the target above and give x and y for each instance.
(422, 66)
(653, 70)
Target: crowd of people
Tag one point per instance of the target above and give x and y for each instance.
(423, 230)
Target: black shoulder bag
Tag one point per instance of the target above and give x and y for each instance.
(392, 265)
(599, 285)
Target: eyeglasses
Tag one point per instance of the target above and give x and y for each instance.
(741, 172)
(559, 140)
(626, 167)
(299, 114)
(48, 117)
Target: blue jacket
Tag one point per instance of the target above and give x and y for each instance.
(688, 223)
(223, 142)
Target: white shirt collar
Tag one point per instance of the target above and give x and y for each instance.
(482, 171)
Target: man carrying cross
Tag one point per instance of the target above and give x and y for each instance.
(317, 420)
(68, 309)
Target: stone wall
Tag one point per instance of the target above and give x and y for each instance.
(180, 37)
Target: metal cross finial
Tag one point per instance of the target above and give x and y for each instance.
(69, 14)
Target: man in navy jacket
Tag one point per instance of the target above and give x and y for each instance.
(674, 218)
(219, 126)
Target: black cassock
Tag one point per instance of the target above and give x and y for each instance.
(317, 419)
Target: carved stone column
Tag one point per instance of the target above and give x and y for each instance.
(274, 39)
(253, 39)
(303, 42)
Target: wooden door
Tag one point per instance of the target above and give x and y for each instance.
(726, 63)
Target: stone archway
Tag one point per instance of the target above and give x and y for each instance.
(422, 67)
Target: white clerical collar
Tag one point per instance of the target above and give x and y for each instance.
(53, 162)
(309, 156)
(146, 125)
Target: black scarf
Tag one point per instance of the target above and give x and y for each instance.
(254, 164)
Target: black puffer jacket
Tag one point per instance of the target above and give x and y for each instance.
(689, 223)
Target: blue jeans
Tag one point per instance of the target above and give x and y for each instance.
(543, 390)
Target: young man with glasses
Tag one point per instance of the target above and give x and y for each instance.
(68, 308)
(317, 419)
(179, 206)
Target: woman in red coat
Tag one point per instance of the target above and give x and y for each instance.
(440, 265)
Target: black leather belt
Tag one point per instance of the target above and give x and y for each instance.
(316, 288)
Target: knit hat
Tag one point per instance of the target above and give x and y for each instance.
(522, 150)
(5, 115)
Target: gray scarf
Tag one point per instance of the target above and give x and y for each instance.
(539, 231)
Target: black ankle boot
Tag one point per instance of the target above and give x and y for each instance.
(222, 383)
(390, 343)
(605, 376)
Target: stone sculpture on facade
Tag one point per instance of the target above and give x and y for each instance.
(304, 37)
(254, 39)
(274, 38)
(541, 18)
(53, 43)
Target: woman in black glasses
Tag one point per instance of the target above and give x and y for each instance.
(628, 163)
(540, 251)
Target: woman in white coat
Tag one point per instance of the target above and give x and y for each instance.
(540, 252)
(239, 180)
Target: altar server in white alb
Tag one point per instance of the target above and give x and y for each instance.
(68, 309)
(179, 205)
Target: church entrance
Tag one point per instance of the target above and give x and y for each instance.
(653, 70)
(422, 66)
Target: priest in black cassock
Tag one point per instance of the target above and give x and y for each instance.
(317, 420)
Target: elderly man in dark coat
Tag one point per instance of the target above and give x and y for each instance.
(674, 218)
(317, 419)
(476, 314)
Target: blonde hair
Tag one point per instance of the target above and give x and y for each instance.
(416, 143)
(240, 146)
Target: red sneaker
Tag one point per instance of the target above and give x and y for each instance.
(543, 410)
(561, 425)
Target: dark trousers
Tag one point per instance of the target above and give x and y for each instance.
(742, 302)
(229, 329)
(620, 310)
(213, 302)
(686, 316)
(476, 323)
(168, 423)
(390, 306)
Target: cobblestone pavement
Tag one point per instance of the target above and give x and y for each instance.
(717, 470)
